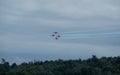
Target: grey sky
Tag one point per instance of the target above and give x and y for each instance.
(87, 27)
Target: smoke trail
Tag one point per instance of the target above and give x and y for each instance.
(76, 35)
(75, 32)
(88, 32)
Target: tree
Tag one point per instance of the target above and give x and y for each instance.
(3, 60)
(14, 65)
(91, 66)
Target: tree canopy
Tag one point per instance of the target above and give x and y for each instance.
(91, 66)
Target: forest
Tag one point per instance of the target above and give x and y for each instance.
(90, 66)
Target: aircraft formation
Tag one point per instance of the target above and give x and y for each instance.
(56, 35)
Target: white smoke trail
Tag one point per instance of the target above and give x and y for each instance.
(71, 35)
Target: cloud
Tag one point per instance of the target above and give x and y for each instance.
(68, 9)
(85, 8)
(26, 26)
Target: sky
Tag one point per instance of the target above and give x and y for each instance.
(87, 27)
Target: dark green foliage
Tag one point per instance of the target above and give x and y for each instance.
(91, 66)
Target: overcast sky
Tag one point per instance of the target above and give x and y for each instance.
(86, 27)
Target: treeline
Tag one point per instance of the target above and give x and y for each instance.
(91, 66)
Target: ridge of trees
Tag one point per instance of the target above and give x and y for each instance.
(91, 66)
